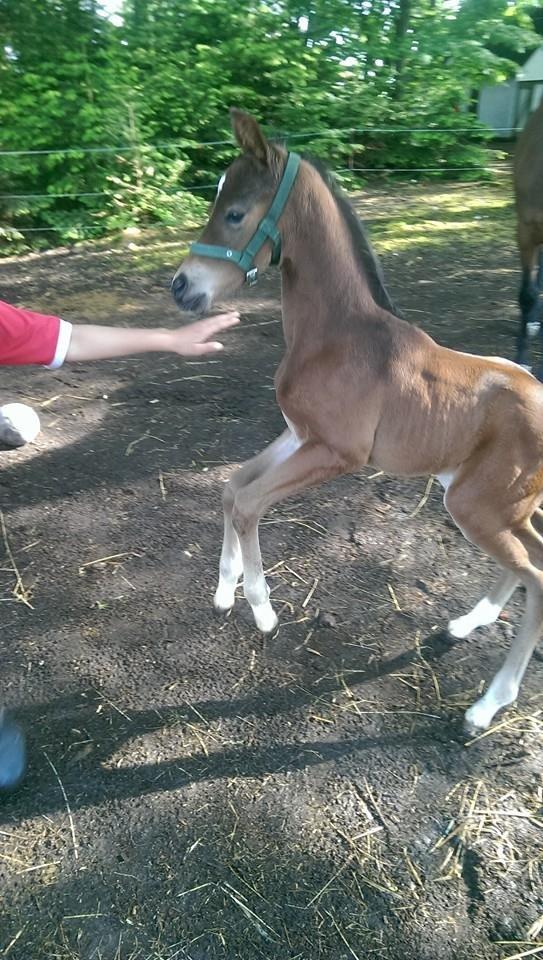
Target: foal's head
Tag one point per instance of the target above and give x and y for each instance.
(244, 195)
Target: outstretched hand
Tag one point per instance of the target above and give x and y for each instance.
(194, 340)
(94, 342)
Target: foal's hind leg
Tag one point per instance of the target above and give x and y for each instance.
(519, 549)
(505, 685)
(231, 564)
(488, 609)
(491, 605)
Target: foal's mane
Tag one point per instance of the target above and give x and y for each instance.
(366, 256)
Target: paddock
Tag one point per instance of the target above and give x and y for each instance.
(196, 791)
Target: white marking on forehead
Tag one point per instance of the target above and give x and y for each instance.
(220, 184)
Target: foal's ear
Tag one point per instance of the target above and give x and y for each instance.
(249, 135)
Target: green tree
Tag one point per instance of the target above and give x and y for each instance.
(344, 78)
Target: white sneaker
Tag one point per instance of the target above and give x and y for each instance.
(19, 424)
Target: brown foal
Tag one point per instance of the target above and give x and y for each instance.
(528, 179)
(358, 386)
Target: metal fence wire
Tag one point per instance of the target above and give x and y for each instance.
(197, 145)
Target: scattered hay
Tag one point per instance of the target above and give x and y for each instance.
(503, 829)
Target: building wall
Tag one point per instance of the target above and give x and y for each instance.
(528, 99)
(506, 106)
(496, 107)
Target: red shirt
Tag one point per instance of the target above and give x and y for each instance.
(28, 337)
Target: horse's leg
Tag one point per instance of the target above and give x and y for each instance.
(527, 297)
(539, 288)
(518, 548)
(488, 609)
(491, 605)
(231, 565)
(504, 687)
(310, 464)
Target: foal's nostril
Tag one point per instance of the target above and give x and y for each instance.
(179, 285)
(187, 297)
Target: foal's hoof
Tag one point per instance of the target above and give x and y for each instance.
(12, 754)
(265, 619)
(223, 601)
(476, 720)
(460, 628)
(470, 731)
(221, 613)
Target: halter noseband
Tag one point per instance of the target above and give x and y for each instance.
(267, 230)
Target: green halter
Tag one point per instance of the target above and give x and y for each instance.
(267, 230)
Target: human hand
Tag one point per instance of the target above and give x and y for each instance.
(193, 340)
(91, 342)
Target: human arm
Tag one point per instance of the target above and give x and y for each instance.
(27, 337)
(93, 342)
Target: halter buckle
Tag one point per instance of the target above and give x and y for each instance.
(252, 276)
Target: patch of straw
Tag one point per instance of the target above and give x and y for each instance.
(19, 591)
(423, 500)
(67, 804)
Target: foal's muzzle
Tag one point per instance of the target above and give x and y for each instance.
(186, 297)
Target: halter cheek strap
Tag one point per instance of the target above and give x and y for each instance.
(267, 230)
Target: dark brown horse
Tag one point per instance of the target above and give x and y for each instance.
(528, 179)
(358, 386)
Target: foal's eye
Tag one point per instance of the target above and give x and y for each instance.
(234, 216)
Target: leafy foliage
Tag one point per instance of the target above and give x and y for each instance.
(326, 72)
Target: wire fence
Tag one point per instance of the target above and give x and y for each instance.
(196, 145)
(213, 186)
(484, 133)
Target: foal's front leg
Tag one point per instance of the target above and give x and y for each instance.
(231, 565)
(310, 464)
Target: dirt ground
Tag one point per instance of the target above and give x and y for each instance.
(195, 791)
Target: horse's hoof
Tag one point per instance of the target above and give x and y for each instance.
(222, 613)
(459, 628)
(470, 731)
(12, 754)
(266, 619)
(223, 601)
(477, 719)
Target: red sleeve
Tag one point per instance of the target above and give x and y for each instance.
(28, 337)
